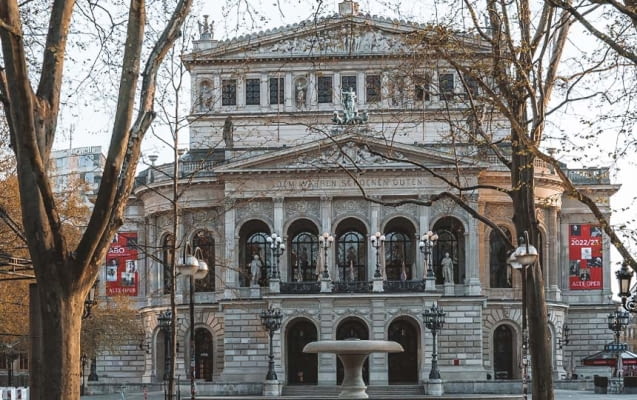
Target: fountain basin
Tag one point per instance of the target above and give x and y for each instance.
(352, 353)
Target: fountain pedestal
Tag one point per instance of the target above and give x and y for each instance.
(353, 353)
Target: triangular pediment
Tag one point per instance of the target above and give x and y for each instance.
(361, 35)
(349, 152)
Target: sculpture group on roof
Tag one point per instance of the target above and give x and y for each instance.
(350, 115)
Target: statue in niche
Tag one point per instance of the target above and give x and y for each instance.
(447, 269)
(228, 132)
(205, 96)
(255, 269)
(300, 93)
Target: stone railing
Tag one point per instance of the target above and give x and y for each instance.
(352, 287)
(403, 286)
(186, 170)
(300, 287)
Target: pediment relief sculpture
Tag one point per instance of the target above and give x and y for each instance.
(350, 154)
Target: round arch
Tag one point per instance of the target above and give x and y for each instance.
(302, 368)
(253, 248)
(505, 351)
(303, 253)
(399, 261)
(352, 328)
(451, 239)
(351, 249)
(403, 368)
(204, 352)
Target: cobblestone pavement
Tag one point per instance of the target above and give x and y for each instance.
(559, 395)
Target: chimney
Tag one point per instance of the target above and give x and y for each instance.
(348, 8)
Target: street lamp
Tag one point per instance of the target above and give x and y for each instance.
(627, 294)
(271, 320)
(193, 266)
(90, 301)
(524, 255)
(426, 245)
(617, 321)
(325, 241)
(165, 322)
(434, 320)
(377, 240)
(278, 247)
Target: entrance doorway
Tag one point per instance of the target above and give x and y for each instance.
(352, 328)
(403, 367)
(503, 352)
(203, 354)
(302, 368)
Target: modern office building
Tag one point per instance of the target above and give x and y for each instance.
(315, 128)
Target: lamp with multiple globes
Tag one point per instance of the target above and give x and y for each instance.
(434, 319)
(377, 240)
(278, 247)
(325, 241)
(426, 245)
(271, 320)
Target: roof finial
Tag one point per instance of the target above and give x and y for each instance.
(206, 30)
(348, 8)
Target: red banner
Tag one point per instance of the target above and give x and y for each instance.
(585, 257)
(121, 265)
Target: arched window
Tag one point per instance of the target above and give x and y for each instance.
(351, 251)
(304, 251)
(167, 258)
(398, 256)
(450, 240)
(205, 242)
(499, 271)
(203, 354)
(254, 248)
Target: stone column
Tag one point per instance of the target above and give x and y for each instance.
(153, 265)
(231, 281)
(241, 91)
(378, 361)
(327, 331)
(552, 246)
(289, 92)
(311, 94)
(264, 90)
(278, 229)
(216, 92)
(374, 227)
(360, 88)
(472, 263)
(336, 83)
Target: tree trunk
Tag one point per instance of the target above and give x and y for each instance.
(61, 315)
(523, 196)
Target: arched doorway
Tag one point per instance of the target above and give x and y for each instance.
(503, 352)
(351, 328)
(302, 368)
(403, 367)
(162, 354)
(203, 354)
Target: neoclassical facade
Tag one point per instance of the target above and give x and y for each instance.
(317, 128)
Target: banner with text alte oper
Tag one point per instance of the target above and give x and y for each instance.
(585, 257)
(121, 265)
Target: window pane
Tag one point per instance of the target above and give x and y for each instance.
(372, 85)
(325, 89)
(204, 241)
(277, 86)
(471, 85)
(253, 92)
(500, 274)
(348, 82)
(351, 254)
(303, 257)
(398, 256)
(445, 85)
(423, 88)
(229, 92)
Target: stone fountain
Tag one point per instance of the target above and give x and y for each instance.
(353, 353)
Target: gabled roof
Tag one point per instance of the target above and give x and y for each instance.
(350, 151)
(335, 35)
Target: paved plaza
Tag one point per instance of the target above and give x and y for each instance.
(559, 395)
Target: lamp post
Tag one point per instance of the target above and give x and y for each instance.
(426, 244)
(434, 320)
(278, 247)
(524, 255)
(617, 321)
(628, 295)
(377, 240)
(325, 241)
(90, 301)
(271, 320)
(194, 267)
(165, 321)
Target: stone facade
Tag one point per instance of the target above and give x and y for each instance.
(266, 158)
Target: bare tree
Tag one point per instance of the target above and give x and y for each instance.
(65, 272)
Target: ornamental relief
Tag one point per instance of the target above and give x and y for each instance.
(201, 218)
(498, 211)
(164, 222)
(254, 209)
(343, 208)
(302, 208)
(405, 209)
